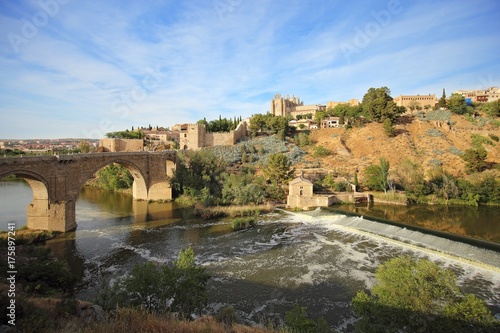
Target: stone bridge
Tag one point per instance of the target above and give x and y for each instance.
(57, 180)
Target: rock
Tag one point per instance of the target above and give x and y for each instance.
(91, 312)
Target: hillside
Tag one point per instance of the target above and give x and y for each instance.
(425, 141)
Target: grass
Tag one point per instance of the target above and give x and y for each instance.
(26, 236)
(129, 320)
(392, 197)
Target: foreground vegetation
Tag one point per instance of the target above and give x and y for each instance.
(419, 296)
(409, 295)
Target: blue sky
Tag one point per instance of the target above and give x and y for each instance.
(74, 68)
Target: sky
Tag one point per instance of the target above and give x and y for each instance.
(80, 69)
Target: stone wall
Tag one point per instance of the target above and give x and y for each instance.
(121, 145)
(305, 202)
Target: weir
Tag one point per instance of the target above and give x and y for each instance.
(424, 239)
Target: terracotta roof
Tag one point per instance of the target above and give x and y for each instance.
(300, 179)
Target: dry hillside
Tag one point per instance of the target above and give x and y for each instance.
(428, 143)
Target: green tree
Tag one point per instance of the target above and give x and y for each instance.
(376, 176)
(378, 105)
(389, 129)
(411, 176)
(417, 295)
(457, 104)
(320, 151)
(492, 109)
(442, 100)
(318, 117)
(189, 285)
(475, 159)
(297, 321)
(84, 146)
(114, 177)
(444, 184)
(302, 140)
(243, 189)
(413, 106)
(278, 168)
(161, 288)
(197, 170)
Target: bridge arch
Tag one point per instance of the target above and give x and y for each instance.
(37, 212)
(139, 186)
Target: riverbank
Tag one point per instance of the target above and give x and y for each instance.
(26, 236)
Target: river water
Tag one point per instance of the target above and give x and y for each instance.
(318, 259)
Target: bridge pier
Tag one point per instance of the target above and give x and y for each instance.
(160, 191)
(55, 216)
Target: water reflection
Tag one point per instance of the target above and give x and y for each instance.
(476, 222)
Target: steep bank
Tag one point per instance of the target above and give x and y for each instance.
(429, 143)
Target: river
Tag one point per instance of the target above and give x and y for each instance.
(318, 259)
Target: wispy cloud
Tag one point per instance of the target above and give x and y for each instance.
(110, 65)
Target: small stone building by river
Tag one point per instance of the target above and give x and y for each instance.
(300, 195)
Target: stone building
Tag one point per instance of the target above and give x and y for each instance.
(282, 106)
(422, 100)
(195, 136)
(481, 96)
(120, 145)
(351, 102)
(300, 195)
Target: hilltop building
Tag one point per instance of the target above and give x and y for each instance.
(422, 100)
(195, 136)
(351, 102)
(481, 96)
(116, 145)
(283, 106)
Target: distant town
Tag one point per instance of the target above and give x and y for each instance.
(196, 136)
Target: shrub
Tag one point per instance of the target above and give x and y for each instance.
(227, 316)
(433, 132)
(479, 140)
(455, 151)
(241, 223)
(320, 151)
(494, 137)
(418, 295)
(179, 287)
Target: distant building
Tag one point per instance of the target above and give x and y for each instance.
(283, 106)
(422, 100)
(481, 96)
(195, 136)
(120, 145)
(331, 122)
(351, 102)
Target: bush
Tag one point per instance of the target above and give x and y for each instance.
(43, 274)
(227, 316)
(433, 132)
(320, 151)
(161, 288)
(297, 321)
(417, 295)
(243, 223)
(479, 140)
(494, 137)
